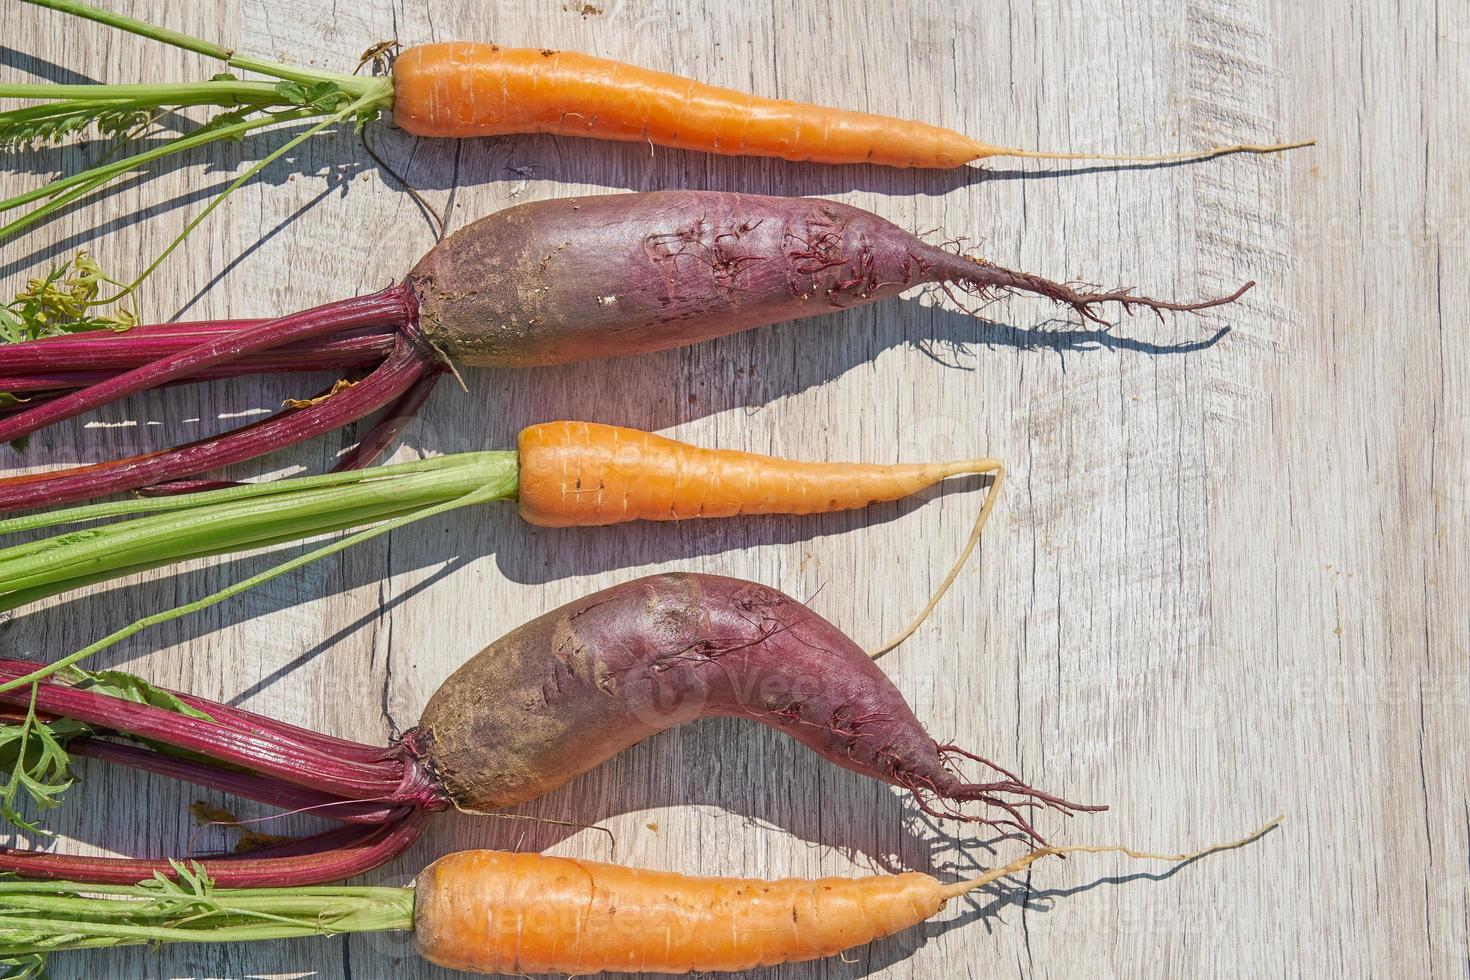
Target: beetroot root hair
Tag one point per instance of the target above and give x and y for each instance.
(1009, 794)
(985, 279)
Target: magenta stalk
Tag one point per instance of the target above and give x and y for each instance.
(381, 794)
(384, 385)
(319, 859)
(375, 332)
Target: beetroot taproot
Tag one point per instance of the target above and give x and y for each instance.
(569, 690)
(579, 278)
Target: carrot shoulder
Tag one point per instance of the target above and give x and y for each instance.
(585, 474)
(463, 89)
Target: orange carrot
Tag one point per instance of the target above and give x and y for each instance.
(464, 89)
(581, 474)
(498, 912)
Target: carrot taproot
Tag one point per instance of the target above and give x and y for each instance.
(583, 474)
(503, 912)
(462, 89)
(507, 913)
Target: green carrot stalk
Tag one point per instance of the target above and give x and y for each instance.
(43, 917)
(223, 521)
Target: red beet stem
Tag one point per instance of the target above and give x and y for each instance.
(225, 740)
(91, 363)
(358, 350)
(383, 795)
(238, 719)
(391, 305)
(318, 859)
(367, 452)
(372, 446)
(243, 720)
(172, 488)
(250, 786)
(414, 788)
(105, 349)
(56, 380)
(385, 384)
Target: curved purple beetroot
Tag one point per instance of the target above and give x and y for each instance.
(563, 693)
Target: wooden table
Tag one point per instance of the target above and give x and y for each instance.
(1228, 579)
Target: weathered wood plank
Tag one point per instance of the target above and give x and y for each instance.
(1228, 579)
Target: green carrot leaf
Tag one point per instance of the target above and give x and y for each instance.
(323, 96)
(62, 302)
(12, 331)
(292, 92)
(189, 894)
(56, 122)
(326, 96)
(39, 768)
(30, 966)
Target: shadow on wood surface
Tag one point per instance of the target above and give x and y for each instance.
(43, 70)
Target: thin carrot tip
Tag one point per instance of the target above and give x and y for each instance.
(959, 888)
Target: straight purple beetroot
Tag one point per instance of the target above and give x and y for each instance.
(538, 284)
(538, 707)
(580, 278)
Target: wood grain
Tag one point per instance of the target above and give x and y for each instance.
(1229, 577)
